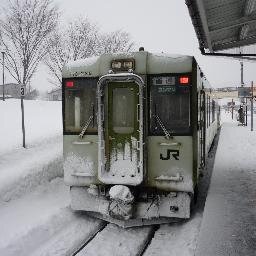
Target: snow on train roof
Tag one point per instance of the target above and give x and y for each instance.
(82, 62)
(145, 63)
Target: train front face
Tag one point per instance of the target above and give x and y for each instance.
(128, 145)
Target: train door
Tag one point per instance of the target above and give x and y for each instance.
(202, 131)
(122, 128)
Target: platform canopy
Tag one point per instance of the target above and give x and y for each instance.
(223, 24)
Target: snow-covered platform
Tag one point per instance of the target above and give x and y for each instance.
(229, 220)
(24, 169)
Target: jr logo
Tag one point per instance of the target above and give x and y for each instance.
(175, 154)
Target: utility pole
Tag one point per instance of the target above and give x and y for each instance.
(3, 53)
(232, 107)
(252, 108)
(242, 73)
(22, 95)
(242, 85)
(246, 101)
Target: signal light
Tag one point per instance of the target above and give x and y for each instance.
(184, 80)
(70, 84)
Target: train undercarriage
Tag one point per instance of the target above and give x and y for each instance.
(119, 205)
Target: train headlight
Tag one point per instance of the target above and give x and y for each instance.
(123, 64)
(128, 65)
(116, 64)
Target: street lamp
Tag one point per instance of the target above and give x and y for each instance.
(3, 53)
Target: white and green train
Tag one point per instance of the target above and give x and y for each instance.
(137, 128)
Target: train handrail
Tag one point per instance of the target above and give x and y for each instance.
(121, 76)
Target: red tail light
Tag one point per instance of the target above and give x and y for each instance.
(70, 84)
(184, 80)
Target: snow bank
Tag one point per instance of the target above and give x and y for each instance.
(176, 239)
(21, 216)
(25, 169)
(41, 161)
(43, 119)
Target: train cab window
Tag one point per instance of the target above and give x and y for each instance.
(169, 108)
(81, 107)
(123, 110)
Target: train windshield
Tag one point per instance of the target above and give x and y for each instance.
(169, 108)
(80, 106)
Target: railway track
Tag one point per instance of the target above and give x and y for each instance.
(114, 240)
(89, 239)
(87, 236)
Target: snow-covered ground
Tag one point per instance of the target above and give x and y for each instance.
(35, 217)
(24, 169)
(228, 226)
(41, 160)
(43, 121)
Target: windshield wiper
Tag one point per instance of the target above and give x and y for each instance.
(81, 135)
(167, 134)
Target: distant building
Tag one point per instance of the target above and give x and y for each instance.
(11, 90)
(227, 89)
(55, 94)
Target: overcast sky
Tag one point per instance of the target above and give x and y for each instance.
(159, 26)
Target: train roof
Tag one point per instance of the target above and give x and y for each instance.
(145, 63)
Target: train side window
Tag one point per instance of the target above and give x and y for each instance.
(213, 111)
(80, 107)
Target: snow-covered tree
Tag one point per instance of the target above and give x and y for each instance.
(117, 41)
(24, 29)
(78, 40)
(81, 39)
(58, 54)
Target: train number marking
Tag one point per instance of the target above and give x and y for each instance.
(175, 154)
(22, 91)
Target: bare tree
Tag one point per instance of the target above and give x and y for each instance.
(78, 40)
(117, 41)
(24, 31)
(58, 54)
(82, 39)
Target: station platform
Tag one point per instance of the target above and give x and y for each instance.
(229, 220)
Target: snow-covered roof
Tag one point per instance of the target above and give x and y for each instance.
(145, 63)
